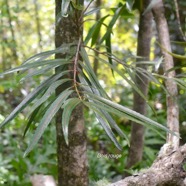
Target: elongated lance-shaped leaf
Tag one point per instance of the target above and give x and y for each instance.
(90, 71)
(30, 97)
(132, 84)
(131, 117)
(52, 110)
(52, 62)
(91, 32)
(112, 22)
(36, 72)
(113, 125)
(150, 76)
(36, 115)
(109, 118)
(51, 90)
(93, 83)
(107, 105)
(103, 121)
(64, 7)
(64, 48)
(99, 105)
(109, 50)
(68, 107)
(96, 31)
(32, 116)
(95, 10)
(180, 82)
(86, 84)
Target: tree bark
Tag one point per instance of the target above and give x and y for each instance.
(171, 86)
(13, 44)
(167, 170)
(143, 50)
(72, 159)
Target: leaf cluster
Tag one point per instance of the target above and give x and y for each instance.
(84, 83)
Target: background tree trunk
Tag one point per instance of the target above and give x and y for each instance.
(143, 50)
(38, 24)
(172, 106)
(13, 45)
(72, 159)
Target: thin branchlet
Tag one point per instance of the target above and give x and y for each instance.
(76, 67)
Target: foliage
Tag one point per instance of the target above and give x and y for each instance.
(115, 81)
(16, 170)
(94, 97)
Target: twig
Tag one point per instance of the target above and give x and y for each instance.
(75, 66)
(178, 19)
(85, 10)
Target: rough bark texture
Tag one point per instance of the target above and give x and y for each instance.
(143, 50)
(72, 159)
(172, 106)
(167, 170)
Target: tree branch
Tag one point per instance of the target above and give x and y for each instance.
(166, 170)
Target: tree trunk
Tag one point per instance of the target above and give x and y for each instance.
(37, 18)
(13, 44)
(72, 159)
(167, 170)
(143, 50)
(172, 106)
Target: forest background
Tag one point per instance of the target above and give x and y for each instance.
(27, 28)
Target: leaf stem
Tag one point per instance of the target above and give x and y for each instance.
(75, 67)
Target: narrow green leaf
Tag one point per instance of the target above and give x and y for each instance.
(68, 107)
(132, 84)
(108, 117)
(52, 62)
(32, 116)
(95, 10)
(94, 31)
(30, 97)
(36, 72)
(110, 106)
(103, 121)
(109, 50)
(91, 73)
(90, 33)
(43, 55)
(115, 126)
(93, 82)
(51, 90)
(112, 22)
(63, 49)
(52, 110)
